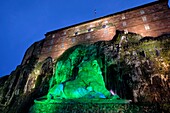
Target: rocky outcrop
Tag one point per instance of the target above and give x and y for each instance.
(131, 66)
(29, 81)
(33, 51)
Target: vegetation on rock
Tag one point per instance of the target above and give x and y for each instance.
(129, 65)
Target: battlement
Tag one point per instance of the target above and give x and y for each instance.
(151, 19)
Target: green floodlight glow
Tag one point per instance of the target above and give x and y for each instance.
(88, 83)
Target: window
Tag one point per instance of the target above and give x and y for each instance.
(106, 22)
(144, 18)
(124, 24)
(64, 33)
(76, 33)
(89, 30)
(91, 26)
(73, 40)
(142, 12)
(53, 36)
(123, 17)
(146, 27)
(62, 39)
(88, 36)
(62, 45)
(103, 26)
(51, 42)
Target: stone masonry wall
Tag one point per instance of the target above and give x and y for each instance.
(147, 20)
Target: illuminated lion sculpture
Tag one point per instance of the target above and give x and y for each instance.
(88, 83)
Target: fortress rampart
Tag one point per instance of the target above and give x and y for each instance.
(151, 19)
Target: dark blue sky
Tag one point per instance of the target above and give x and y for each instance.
(22, 22)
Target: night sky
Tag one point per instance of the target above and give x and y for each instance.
(23, 22)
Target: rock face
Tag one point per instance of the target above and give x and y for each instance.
(30, 80)
(129, 65)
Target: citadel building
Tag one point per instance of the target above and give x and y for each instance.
(151, 19)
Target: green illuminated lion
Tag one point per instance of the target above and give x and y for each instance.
(88, 83)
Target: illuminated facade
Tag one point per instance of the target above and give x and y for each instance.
(151, 19)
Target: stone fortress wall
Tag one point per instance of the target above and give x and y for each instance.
(151, 19)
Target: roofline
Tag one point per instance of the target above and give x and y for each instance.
(131, 9)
